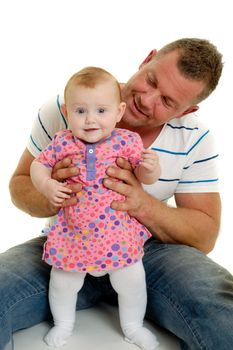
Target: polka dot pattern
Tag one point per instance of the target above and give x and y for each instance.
(91, 236)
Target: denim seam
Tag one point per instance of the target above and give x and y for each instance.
(171, 303)
(18, 301)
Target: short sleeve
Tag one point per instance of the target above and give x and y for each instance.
(48, 121)
(49, 156)
(133, 149)
(200, 173)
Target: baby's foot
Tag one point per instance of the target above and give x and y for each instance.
(57, 336)
(143, 338)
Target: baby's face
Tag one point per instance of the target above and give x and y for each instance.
(93, 112)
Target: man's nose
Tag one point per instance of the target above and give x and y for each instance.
(149, 98)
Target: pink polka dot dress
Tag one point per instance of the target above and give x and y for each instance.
(90, 236)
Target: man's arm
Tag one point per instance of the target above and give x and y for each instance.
(27, 198)
(195, 221)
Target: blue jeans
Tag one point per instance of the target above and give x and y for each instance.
(188, 293)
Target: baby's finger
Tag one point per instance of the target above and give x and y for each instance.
(64, 189)
(149, 151)
(62, 195)
(147, 165)
(150, 156)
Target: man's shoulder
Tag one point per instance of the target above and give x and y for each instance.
(51, 110)
(48, 121)
(181, 135)
(50, 116)
(189, 122)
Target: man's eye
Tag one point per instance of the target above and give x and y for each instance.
(166, 102)
(101, 110)
(151, 81)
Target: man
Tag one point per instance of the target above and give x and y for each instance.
(188, 293)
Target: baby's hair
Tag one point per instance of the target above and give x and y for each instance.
(90, 77)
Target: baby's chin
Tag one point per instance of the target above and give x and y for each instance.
(92, 136)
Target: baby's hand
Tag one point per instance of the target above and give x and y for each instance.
(150, 160)
(148, 170)
(56, 192)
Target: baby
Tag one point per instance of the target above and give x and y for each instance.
(91, 237)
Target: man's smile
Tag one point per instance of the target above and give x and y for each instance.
(137, 106)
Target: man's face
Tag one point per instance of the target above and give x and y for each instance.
(158, 93)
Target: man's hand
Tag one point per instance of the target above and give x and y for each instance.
(62, 171)
(129, 187)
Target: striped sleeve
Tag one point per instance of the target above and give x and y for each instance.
(200, 173)
(188, 158)
(48, 121)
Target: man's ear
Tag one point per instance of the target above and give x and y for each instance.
(121, 107)
(148, 58)
(191, 109)
(64, 110)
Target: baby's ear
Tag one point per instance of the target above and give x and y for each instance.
(121, 108)
(64, 110)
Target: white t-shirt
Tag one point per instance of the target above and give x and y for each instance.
(185, 148)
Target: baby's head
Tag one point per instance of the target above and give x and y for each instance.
(90, 77)
(93, 104)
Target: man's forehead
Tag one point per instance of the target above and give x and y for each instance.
(164, 59)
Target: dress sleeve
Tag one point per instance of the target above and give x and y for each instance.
(133, 150)
(50, 155)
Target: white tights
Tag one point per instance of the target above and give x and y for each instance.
(128, 282)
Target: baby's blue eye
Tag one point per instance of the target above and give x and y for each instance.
(80, 110)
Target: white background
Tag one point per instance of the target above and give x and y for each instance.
(43, 42)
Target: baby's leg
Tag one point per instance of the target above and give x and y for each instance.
(63, 289)
(130, 284)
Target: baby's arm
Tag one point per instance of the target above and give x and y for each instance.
(55, 191)
(148, 170)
